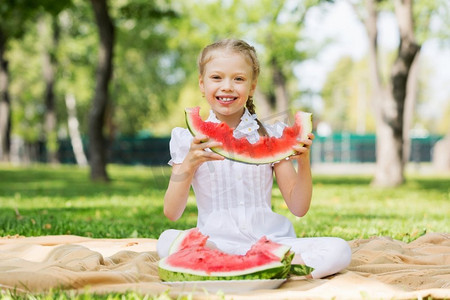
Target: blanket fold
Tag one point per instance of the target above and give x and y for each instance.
(381, 267)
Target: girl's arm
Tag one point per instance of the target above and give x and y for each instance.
(177, 192)
(296, 186)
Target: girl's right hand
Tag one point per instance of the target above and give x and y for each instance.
(198, 153)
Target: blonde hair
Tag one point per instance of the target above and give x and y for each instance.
(240, 47)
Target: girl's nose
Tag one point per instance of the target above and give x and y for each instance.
(227, 85)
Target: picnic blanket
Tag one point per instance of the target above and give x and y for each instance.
(381, 268)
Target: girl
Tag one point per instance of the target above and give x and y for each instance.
(234, 199)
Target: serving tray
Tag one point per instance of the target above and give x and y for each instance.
(228, 286)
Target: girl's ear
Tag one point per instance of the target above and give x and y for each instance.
(253, 87)
(201, 84)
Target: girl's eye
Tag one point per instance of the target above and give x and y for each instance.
(240, 78)
(216, 77)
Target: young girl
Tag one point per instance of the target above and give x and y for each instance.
(234, 199)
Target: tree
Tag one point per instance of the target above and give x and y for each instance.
(14, 15)
(5, 102)
(394, 98)
(277, 26)
(49, 43)
(50, 36)
(97, 140)
(147, 70)
(389, 99)
(74, 132)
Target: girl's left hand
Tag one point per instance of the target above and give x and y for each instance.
(301, 150)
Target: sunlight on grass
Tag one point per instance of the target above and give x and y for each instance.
(66, 295)
(43, 200)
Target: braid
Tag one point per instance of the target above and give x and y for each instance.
(251, 109)
(250, 105)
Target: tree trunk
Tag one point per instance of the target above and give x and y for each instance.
(441, 154)
(390, 101)
(97, 140)
(5, 103)
(262, 105)
(410, 104)
(379, 93)
(48, 70)
(281, 94)
(74, 132)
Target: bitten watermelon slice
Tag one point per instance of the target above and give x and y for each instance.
(265, 150)
(192, 260)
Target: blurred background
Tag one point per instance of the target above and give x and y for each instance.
(98, 82)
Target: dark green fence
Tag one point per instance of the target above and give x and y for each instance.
(355, 148)
(336, 148)
(129, 151)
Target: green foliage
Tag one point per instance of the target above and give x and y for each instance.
(156, 50)
(147, 75)
(14, 14)
(347, 97)
(277, 27)
(27, 92)
(427, 11)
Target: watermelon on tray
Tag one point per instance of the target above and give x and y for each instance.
(190, 259)
(265, 150)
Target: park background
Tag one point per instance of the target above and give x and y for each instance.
(90, 90)
(95, 83)
(108, 80)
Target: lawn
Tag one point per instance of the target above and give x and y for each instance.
(52, 200)
(48, 200)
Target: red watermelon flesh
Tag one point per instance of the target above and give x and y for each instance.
(265, 150)
(193, 260)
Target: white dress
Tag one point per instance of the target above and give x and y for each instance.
(234, 205)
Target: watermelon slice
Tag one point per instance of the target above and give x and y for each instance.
(192, 260)
(265, 150)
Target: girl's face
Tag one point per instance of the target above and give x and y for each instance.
(227, 82)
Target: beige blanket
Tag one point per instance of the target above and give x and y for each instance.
(381, 268)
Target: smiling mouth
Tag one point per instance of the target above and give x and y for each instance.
(226, 99)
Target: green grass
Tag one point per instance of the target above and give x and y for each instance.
(46, 200)
(350, 208)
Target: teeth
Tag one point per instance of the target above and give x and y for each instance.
(225, 99)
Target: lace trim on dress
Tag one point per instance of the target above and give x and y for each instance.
(248, 127)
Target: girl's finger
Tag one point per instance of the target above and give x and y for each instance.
(212, 144)
(303, 144)
(198, 139)
(214, 156)
(300, 149)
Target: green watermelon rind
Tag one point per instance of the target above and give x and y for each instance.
(300, 270)
(280, 272)
(306, 125)
(167, 275)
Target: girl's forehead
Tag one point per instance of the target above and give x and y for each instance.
(226, 53)
(221, 53)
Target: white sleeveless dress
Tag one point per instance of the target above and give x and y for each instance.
(234, 205)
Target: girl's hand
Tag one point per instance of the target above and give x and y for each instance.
(198, 154)
(303, 150)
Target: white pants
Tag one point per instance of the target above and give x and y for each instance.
(327, 255)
